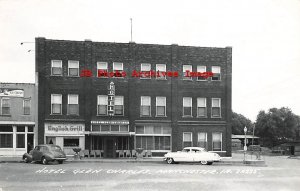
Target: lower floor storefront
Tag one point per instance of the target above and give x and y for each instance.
(16, 138)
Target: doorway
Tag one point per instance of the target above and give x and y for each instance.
(110, 147)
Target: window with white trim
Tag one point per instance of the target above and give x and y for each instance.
(118, 67)
(73, 106)
(73, 68)
(216, 70)
(5, 106)
(102, 67)
(119, 105)
(187, 106)
(202, 140)
(56, 67)
(217, 141)
(159, 69)
(102, 104)
(216, 107)
(26, 106)
(160, 106)
(56, 104)
(187, 69)
(201, 107)
(201, 69)
(146, 106)
(187, 139)
(145, 69)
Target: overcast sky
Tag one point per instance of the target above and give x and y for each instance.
(264, 34)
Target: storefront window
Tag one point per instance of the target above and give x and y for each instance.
(115, 128)
(96, 128)
(104, 127)
(21, 129)
(124, 128)
(68, 142)
(122, 143)
(6, 141)
(20, 140)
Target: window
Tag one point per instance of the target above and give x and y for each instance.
(5, 106)
(20, 140)
(187, 106)
(186, 72)
(73, 106)
(102, 105)
(56, 103)
(118, 67)
(160, 106)
(201, 107)
(187, 139)
(6, 140)
(216, 70)
(159, 69)
(216, 107)
(101, 69)
(26, 106)
(73, 68)
(56, 67)
(217, 141)
(201, 69)
(145, 69)
(202, 140)
(145, 106)
(71, 142)
(119, 105)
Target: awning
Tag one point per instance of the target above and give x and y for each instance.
(110, 133)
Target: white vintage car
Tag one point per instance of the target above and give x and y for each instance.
(192, 154)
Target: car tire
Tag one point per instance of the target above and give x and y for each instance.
(170, 160)
(44, 161)
(60, 161)
(204, 162)
(25, 159)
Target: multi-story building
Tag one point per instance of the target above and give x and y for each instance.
(79, 106)
(18, 133)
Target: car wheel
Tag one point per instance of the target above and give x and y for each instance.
(170, 160)
(25, 159)
(204, 162)
(60, 161)
(44, 161)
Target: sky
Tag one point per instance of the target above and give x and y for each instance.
(264, 35)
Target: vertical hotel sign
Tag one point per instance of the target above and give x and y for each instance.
(111, 99)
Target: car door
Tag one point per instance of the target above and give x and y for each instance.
(185, 156)
(36, 153)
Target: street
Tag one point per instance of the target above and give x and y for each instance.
(280, 174)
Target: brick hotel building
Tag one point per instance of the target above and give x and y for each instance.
(158, 114)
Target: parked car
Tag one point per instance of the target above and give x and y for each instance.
(45, 154)
(192, 154)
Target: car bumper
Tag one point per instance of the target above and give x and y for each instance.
(60, 158)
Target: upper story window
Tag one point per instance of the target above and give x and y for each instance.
(26, 106)
(5, 106)
(56, 67)
(118, 67)
(201, 107)
(119, 105)
(146, 106)
(187, 139)
(216, 70)
(186, 72)
(201, 69)
(56, 104)
(217, 141)
(73, 106)
(73, 68)
(187, 106)
(216, 107)
(145, 69)
(159, 69)
(160, 106)
(101, 69)
(102, 104)
(202, 140)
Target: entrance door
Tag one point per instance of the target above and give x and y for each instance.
(110, 147)
(292, 150)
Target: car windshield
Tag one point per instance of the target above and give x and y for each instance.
(55, 148)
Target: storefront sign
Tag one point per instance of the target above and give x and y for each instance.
(64, 129)
(11, 92)
(111, 122)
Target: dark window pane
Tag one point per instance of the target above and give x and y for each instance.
(6, 140)
(56, 108)
(20, 140)
(187, 144)
(5, 110)
(30, 128)
(139, 130)
(104, 127)
(160, 110)
(56, 71)
(71, 142)
(6, 129)
(145, 110)
(138, 142)
(124, 128)
(217, 146)
(73, 71)
(216, 112)
(187, 111)
(20, 128)
(114, 128)
(202, 111)
(96, 128)
(73, 109)
(216, 76)
(118, 109)
(102, 110)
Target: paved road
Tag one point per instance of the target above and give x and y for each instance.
(280, 174)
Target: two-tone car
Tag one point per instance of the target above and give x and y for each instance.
(45, 153)
(192, 154)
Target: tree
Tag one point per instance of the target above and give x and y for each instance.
(239, 122)
(276, 127)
